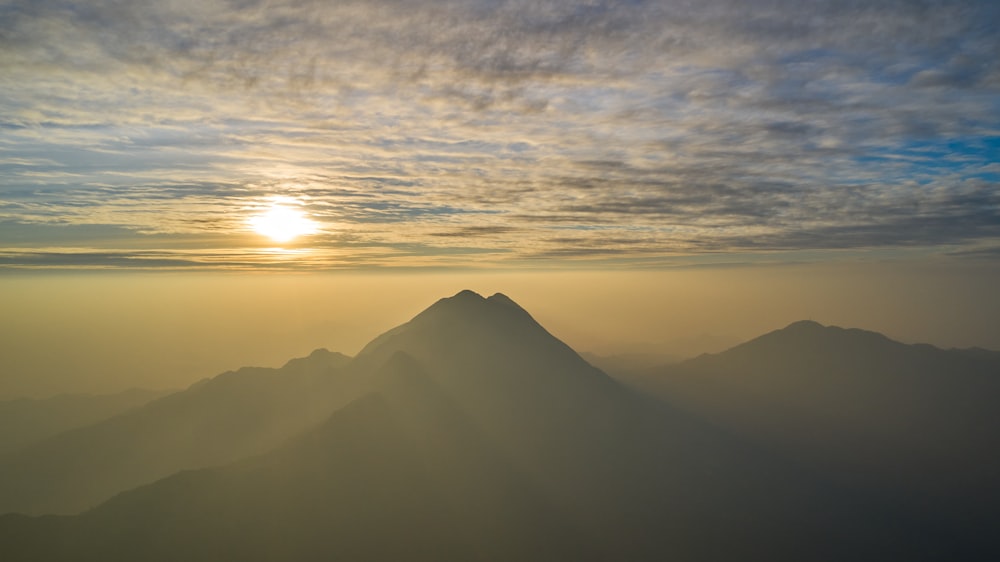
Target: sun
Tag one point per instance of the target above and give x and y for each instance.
(282, 223)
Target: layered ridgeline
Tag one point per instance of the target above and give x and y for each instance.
(215, 421)
(24, 421)
(914, 424)
(477, 435)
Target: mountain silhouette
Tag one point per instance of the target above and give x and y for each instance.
(478, 435)
(912, 423)
(215, 421)
(514, 378)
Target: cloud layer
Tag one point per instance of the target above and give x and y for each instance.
(453, 133)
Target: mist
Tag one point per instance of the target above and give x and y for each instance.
(105, 332)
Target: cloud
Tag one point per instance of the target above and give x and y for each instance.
(475, 231)
(674, 126)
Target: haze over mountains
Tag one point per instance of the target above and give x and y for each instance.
(24, 420)
(471, 433)
(218, 420)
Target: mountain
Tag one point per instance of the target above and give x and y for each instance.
(480, 436)
(912, 423)
(24, 420)
(492, 356)
(399, 475)
(215, 421)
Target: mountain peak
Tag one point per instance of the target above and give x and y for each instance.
(468, 305)
(466, 294)
(462, 314)
(319, 358)
(463, 300)
(810, 332)
(814, 331)
(804, 325)
(505, 301)
(467, 333)
(502, 299)
(806, 346)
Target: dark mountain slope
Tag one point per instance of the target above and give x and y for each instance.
(215, 421)
(911, 423)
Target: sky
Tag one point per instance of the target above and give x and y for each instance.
(695, 139)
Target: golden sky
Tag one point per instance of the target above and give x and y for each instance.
(472, 133)
(263, 177)
(100, 332)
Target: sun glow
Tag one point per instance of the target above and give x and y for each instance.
(282, 223)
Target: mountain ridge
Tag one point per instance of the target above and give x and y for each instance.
(24, 421)
(811, 330)
(911, 422)
(474, 434)
(213, 421)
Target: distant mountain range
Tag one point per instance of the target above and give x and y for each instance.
(24, 420)
(215, 421)
(471, 433)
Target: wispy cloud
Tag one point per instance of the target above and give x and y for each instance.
(457, 128)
